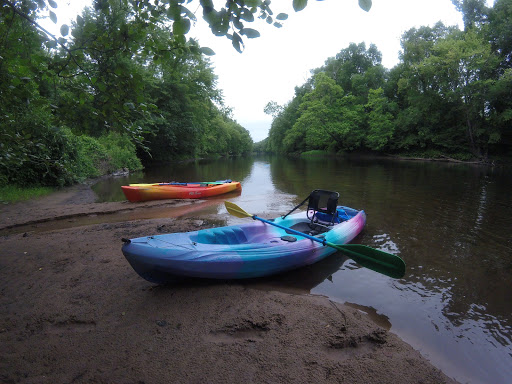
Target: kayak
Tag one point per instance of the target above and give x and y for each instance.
(243, 251)
(174, 190)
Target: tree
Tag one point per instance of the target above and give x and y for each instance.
(32, 149)
(500, 30)
(466, 68)
(380, 120)
(356, 69)
(474, 12)
(284, 121)
(273, 109)
(425, 119)
(103, 84)
(329, 118)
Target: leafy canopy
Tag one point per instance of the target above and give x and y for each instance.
(231, 20)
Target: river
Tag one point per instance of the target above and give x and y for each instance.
(451, 223)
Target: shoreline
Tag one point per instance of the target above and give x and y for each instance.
(72, 310)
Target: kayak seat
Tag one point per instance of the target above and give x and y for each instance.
(322, 207)
(221, 236)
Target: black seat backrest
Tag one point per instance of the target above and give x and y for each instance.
(325, 203)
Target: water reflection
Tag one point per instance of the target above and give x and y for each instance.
(450, 222)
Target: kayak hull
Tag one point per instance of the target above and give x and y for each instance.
(146, 192)
(250, 250)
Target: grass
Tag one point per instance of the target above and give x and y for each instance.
(315, 152)
(12, 194)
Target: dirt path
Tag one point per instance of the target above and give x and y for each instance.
(73, 311)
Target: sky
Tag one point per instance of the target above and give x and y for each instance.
(272, 65)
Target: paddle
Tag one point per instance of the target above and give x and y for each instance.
(374, 259)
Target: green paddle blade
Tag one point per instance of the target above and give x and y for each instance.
(374, 259)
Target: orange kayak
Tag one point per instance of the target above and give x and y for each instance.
(158, 191)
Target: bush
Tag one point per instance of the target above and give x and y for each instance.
(39, 155)
(121, 152)
(92, 158)
(51, 156)
(105, 155)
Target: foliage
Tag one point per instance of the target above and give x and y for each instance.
(230, 20)
(119, 85)
(105, 155)
(380, 120)
(328, 116)
(448, 96)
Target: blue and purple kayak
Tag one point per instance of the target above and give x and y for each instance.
(244, 251)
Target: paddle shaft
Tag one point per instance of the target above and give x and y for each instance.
(345, 248)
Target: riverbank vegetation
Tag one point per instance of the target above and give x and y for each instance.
(119, 90)
(123, 87)
(449, 96)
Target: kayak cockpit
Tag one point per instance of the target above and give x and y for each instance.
(222, 235)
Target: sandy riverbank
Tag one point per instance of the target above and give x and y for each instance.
(73, 311)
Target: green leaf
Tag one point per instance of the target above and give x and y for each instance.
(247, 16)
(51, 44)
(53, 17)
(64, 29)
(365, 5)
(237, 42)
(79, 20)
(299, 5)
(278, 25)
(52, 3)
(250, 33)
(207, 51)
(181, 26)
(282, 16)
(238, 24)
(269, 20)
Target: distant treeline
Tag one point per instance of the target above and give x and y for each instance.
(120, 90)
(450, 95)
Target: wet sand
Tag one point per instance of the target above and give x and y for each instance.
(72, 310)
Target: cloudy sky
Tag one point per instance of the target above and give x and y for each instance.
(280, 59)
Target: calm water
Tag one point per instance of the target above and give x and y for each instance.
(451, 223)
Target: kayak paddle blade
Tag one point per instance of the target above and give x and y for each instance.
(374, 259)
(235, 210)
